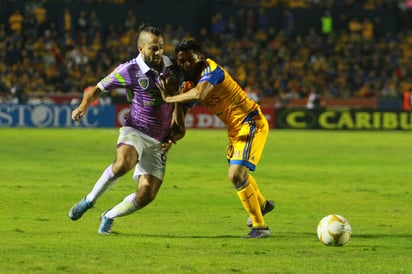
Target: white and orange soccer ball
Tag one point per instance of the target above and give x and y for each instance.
(186, 86)
(334, 230)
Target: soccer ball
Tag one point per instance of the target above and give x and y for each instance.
(186, 86)
(334, 230)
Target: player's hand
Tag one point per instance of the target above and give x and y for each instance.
(163, 91)
(186, 86)
(78, 113)
(167, 145)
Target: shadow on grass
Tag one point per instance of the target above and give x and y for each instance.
(377, 235)
(273, 235)
(143, 235)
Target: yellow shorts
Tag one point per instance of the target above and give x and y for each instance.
(246, 144)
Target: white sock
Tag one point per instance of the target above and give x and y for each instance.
(126, 207)
(105, 181)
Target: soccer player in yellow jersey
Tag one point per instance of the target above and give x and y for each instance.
(247, 126)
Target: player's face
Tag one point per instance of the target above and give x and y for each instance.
(152, 50)
(189, 62)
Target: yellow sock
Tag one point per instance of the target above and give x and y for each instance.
(250, 202)
(261, 199)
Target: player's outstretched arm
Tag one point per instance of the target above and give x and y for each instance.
(199, 92)
(81, 110)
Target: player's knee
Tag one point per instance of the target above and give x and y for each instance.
(147, 190)
(121, 167)
(238, 177)
(145, 198)
(233, 178)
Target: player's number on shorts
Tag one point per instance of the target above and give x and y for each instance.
(163, 158)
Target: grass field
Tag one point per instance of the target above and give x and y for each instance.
(195, 224)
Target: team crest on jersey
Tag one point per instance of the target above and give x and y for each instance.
(144, 82)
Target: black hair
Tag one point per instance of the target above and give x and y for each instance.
(189, 45)
(149, 28)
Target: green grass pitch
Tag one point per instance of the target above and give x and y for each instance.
(195, 223)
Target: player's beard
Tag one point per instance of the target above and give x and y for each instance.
(154, 64)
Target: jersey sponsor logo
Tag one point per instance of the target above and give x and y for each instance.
(144, 82)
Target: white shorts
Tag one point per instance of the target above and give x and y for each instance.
(152, 159)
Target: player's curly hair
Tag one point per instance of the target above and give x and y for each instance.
(189, 45)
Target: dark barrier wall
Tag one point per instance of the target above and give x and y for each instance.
(50, 116)
(199, 117)
(343, 119)
(59, 115)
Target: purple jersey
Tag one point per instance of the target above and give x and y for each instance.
(148, 112)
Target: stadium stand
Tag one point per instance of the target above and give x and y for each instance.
(278, 47)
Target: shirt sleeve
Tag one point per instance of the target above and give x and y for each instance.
(214, 76)
(118, 78)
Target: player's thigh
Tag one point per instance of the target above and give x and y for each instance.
(126, 159)
(258, 139)
(152, 162)
(257, 146)
(246, 148)
(132, 137)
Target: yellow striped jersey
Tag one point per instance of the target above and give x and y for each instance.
(227, 100)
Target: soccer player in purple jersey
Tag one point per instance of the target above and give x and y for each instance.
(145, 136)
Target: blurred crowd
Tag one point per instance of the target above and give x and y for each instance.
(348, 56)
(345, 57)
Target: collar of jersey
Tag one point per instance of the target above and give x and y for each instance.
(145, 68)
